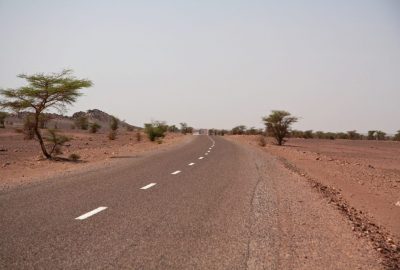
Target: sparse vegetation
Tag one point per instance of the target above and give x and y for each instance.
(56, 141)
(173, 128)
(82, 122)
(94, 127)
(278, 125)
(55, 90)
(262, 141)
(3, 116)
(155, 130)
(354, 135)
(185, 129)
(74, 157)
(238, 130)
(114, 124)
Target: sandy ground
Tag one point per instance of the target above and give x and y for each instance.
(366, 174)
(21, 161)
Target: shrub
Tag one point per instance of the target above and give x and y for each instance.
(173, 128)
(82, 122)
(112, 135)
(353, 135)
(114, 125)
(262, 141)
(56, 141)
(155, 130)
(308, 134)
(74, 157)
(3, 116)
(94, 127)
(239, 130)
(278, 125)
(129, 128)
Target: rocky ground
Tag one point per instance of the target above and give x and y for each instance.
(21, 161)
(360, 178)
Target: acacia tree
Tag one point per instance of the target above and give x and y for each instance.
(278, 125)
(43, 91)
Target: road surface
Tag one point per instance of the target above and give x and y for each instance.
(207, 204)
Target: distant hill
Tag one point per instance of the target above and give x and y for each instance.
(67, 122)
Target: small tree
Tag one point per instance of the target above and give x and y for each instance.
(371, 135)
(3, 116)
(82, 122)
(354, 135)
(173, 128)
(380, 135)
(56, 141)
(94, 127)
(114, 125)
(239, 130)
(184, 127)
(278, 125)
(43, 91)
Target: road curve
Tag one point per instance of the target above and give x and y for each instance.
(209, 204)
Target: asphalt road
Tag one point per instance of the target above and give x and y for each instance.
(170, 210)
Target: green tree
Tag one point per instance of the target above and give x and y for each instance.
(278, 125)
(43, 91)
(3, 116)
(173, 128)
(354, 135)
(380, 135)
(239, 130)
(371, 135)
(114, 124)
(155, 129)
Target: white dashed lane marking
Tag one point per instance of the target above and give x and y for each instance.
(176, 172)
(191, 164)
(91, 213)
(201, 157)
(149, 186)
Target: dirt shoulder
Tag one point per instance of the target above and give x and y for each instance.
(21, 162)
(361, 178)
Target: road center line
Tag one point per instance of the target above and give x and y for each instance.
(149, 186)
(176, 172)
(201, 157)
(191, 164)
(91, 213)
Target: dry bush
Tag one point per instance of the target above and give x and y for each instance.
(74, 157)
(262, 141)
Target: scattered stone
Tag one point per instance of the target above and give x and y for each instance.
(397, 204)
(370, 166)
(3, 149)
(318, 158)
(6, 164)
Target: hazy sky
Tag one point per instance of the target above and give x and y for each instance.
(335, 64)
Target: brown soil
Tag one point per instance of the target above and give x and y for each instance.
(361, 178)
(21, 161)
